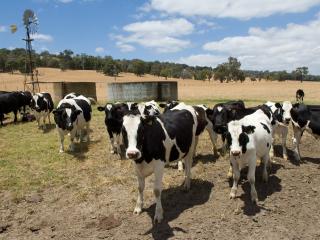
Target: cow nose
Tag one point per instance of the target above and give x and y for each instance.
(287, 120)
(235, 153)
(132, 154)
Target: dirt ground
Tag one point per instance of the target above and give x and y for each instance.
(96, 199)
(187, 89)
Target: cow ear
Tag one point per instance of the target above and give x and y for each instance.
(248, 129)
(101, 109)
(77, 112)
(278, 105)
(162, 105)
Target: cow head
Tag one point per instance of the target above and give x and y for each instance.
(111, 111)
(65, 116)
(150, 108)
(168, 105)
(219, 119)
(300, 115)
(133, 130)
(38, 103)
(282, 112)
(238, 138)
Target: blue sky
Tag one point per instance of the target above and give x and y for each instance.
(263, 34)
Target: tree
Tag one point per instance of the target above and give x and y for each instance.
(155, 68)
(229, 71)
(301, 72)
(66, 60)
(165, 72)
(110, 67)
(138, 67)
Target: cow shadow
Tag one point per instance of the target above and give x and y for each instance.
(204, 158)
(278, 153)
(81, 148)
(48, 128)
(264, 189)
(310, 159)
(175, 201)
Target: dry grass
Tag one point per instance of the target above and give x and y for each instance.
(187, 89)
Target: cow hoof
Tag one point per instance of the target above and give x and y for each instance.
(254, 198)
(180, 166)
(233, 194)
(61, 151)
(137, 210)
(285, 157)
(71, 148)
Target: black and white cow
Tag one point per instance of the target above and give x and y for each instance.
(73, 116)
(42, 106)
(282, 115)
(249, 138)
(299, 96)
(153, 141)
(304, 118)
(114, 113)
(168, 105)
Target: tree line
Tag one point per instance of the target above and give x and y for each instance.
(14, 60)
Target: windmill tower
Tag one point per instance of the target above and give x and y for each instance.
(30, 22)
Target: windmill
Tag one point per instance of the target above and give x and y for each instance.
(30, 22)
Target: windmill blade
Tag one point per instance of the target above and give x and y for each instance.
(13, 28)
(28, 15)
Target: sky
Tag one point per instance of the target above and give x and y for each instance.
(262, 34)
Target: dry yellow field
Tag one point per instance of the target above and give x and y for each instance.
(187, 89)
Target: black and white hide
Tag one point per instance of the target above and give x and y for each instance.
(248, 139)
(299, 96)
(42, 106)
(282, 116)
(72, 117)
(153, 141)
(304, 118)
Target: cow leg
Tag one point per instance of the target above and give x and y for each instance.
(224, 146)
(284, 143)
(213, 138)
(297, 132)
(1, 118)
(230, 173)
(180, 165)
(158, 174)
(266, 160)
(187, 170)
(88, 132)
(271, 148)
(61, 134)
(44, 121)
(141, 185)
(236, 177)
(72, 135)
(251, 177)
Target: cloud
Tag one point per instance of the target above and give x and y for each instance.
(203, 60)
(42, 37)
(274, 48)
(161, 35)
(125, 47)
(99, 50)
(3, 28)
(240, 9)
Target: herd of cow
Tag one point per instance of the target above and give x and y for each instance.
(152, 138)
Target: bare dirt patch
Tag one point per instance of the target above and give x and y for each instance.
(91, 194)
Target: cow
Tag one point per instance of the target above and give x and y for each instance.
(72, 116)
(24, 102)
(248, 139)
(304, 118)
(153, 141)
(203, 123)
(9, 102)
(299, 96)
(42, 106)
(282, 116)
(219, 116)
(114, 113)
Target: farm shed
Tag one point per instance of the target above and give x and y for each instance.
(142, 91)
